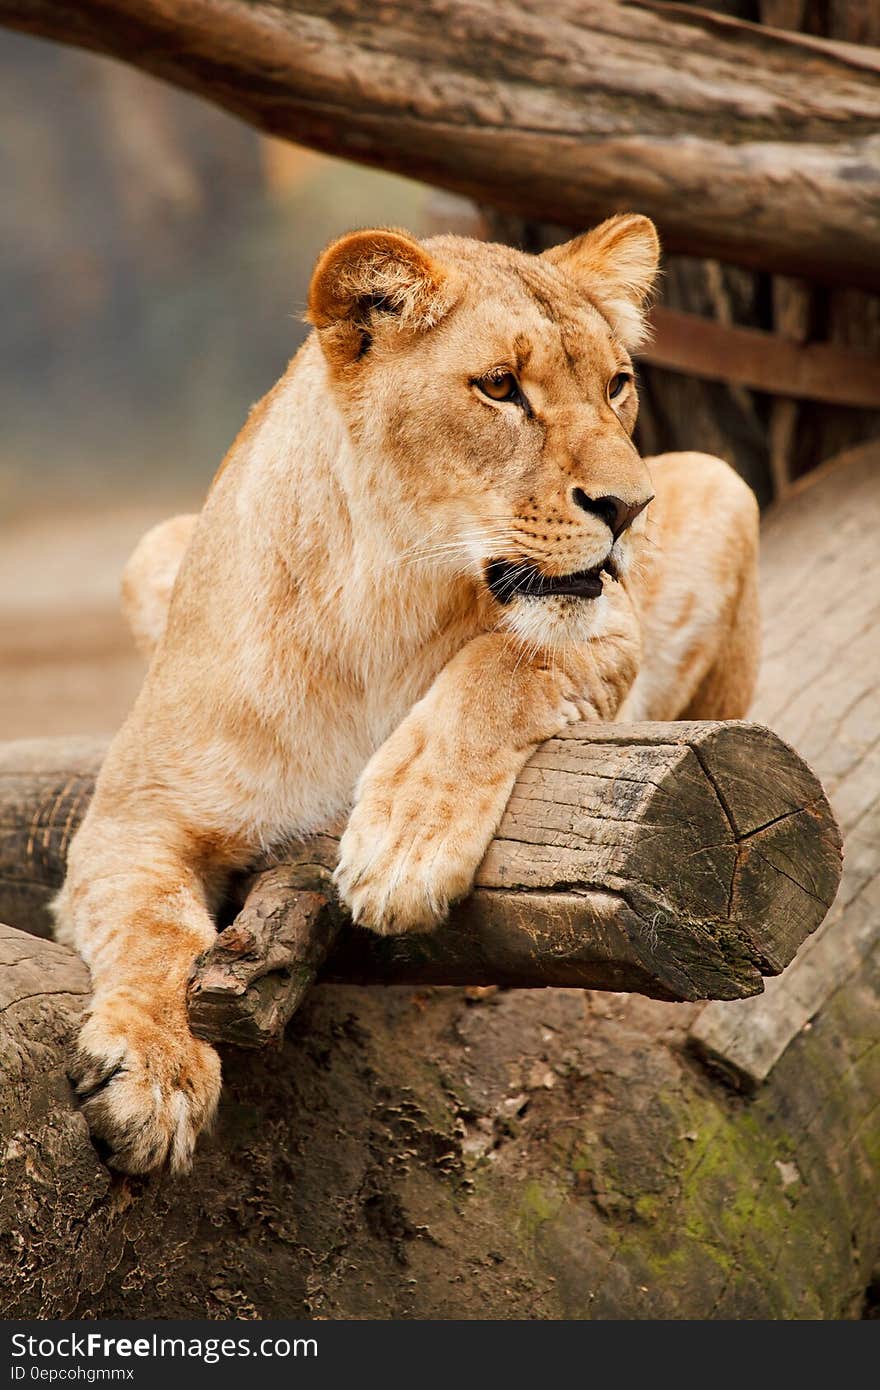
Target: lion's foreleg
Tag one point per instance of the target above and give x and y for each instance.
(431, 798)
(135, 905)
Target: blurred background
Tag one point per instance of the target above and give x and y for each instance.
(154, 264)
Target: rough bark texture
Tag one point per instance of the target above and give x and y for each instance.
(683, 861)
(248, 986)
(753, 145)
(539, 1153)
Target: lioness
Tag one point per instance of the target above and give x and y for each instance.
(429, 549)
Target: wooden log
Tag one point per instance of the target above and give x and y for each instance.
(560, 1149)
(683, 861)
(633, 1127)
(746, 143)
(45, 788)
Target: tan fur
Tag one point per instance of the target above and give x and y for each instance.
(332, 640)
(149, 576)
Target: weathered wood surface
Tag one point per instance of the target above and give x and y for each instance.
(750, 144)
(246, 989)
(45, 788)
(820, 687)
(628, 849)
(684, 861)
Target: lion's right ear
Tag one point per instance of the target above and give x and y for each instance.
(370, 277)
(617, 264)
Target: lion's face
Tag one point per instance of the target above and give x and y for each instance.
(492, 397)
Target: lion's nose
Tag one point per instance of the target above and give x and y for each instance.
(617, 514)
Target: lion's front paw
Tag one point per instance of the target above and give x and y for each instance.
(397, 880)
(406, 857)
(146, 1085)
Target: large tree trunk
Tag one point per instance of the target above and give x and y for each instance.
(543, 1153)
(750, 144)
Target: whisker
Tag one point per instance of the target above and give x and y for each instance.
(465, 538)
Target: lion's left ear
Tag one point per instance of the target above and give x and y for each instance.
(617, 263)
(370, 279)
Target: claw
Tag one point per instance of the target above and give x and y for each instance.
(86, 1092)
(146, 1092)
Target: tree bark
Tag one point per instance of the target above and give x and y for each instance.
(744, 143)
(403, 1154)
(409, 1153)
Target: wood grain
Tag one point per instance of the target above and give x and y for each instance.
(745, 143)
(820, 687)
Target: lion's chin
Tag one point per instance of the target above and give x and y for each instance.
(557, 621)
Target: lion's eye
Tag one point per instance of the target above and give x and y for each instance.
(503, 386)
(617, 383)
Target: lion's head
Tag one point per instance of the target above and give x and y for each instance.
(492, 400)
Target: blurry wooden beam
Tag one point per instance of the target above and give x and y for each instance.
(762, 361)
(805, 433)
(752, 145)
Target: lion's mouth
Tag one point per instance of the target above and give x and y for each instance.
(510, 579)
